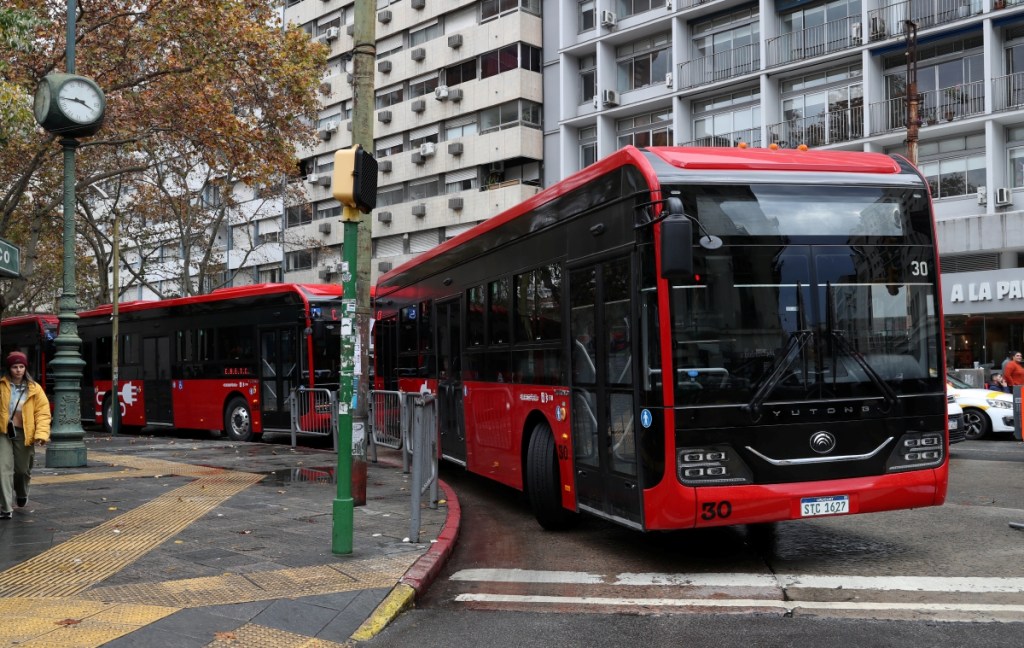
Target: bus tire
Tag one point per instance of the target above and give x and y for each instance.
(543, 486)
(238, 420)
(108, 415)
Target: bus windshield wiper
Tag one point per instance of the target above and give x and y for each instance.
(884, 387)
(797, 341)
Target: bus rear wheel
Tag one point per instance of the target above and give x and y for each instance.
(543, 487)
(237, 420)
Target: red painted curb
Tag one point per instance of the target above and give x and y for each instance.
(428, 566)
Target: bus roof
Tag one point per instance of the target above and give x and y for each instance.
(762, 159)
(223, 294)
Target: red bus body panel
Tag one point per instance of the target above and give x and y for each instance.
(197, 404)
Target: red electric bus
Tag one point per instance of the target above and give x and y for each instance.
(33, 335)
(227, 360)
(676, 338)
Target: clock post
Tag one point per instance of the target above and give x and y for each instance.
(69, 106)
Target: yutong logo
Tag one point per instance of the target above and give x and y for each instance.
(825, 411)
(823, 442)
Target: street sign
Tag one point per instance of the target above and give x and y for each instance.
(10, 260)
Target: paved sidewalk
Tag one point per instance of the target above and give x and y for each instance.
(175, 541)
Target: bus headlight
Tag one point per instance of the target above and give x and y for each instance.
(917, 450)
(711, 465)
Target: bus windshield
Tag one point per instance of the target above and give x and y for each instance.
(811, 297)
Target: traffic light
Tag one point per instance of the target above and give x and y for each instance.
(354, 182)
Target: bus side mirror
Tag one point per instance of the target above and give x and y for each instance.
(676, 245)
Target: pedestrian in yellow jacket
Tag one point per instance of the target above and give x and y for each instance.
(25, 414)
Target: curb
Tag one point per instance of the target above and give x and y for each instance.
(418, 577)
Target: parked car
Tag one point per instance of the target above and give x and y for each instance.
(985, 411)
(955, 414)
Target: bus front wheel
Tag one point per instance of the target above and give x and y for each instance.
(543, 486)
(237, 420)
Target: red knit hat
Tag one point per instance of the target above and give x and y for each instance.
(17, 357)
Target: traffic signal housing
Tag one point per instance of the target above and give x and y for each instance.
(354, 181)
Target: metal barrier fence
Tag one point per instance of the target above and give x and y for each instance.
(424, 457)
(315, 412)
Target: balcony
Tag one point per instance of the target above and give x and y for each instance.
(944, 105)
(749, 136)
(720, 66)
(1008, 92)
(822, 129)
(888, 21)
(814, 41)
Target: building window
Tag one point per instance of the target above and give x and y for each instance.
(430, 32)
(588, 146)
(329, 209)
(728, 119)
(1016, 152)
(643, 62)
(954, 166)
(211, 196)
(392, 195)
(822, 108)
(422, 86)
(653, 129)
(460, 73)
(269, 275)
(631, 7)
(268, 237)
(301, 260)
(587, 15)
(455, 185)
(421, 189)
(299, 215)
(389, 97)
(588, 79)
(511, 57)
(389, 147)
(415, 142)
(459, 129)
(513, 113)
(490, 9)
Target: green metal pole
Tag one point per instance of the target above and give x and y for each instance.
(67, 448)
(352, 416)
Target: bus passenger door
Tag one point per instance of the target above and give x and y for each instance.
(156, 380)
(278, 370)
(602, 369)
(451, 422)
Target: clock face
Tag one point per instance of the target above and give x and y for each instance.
(79, 101)
(41, 106)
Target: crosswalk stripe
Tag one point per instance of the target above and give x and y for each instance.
(776, 581)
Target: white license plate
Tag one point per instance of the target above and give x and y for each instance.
(831, 505)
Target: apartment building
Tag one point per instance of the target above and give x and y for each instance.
(825, 74)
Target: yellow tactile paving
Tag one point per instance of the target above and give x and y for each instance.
(97, 554)
(261, 586)
(252, 635)
(70, 622)
(86, 477)
(159, 466)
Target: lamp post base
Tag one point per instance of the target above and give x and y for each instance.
(65, 454)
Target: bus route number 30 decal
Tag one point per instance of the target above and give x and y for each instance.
(713, 510)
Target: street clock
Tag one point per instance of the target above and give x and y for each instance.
(69, 105)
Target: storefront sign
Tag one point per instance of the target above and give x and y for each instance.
(975, 293)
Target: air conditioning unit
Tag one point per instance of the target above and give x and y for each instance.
(610, 98)
(326, 132)
(419, 54)
(455, 204)
(384, 217)
(456, 148)
(668, 80)
(417, 158)
(982, 195)
(384, 266)
(419, 211)
(856, 33)
(441, 93)
(384, 166)
(323, 180)
(418, 106)
(313, 178)
(1004, 196)
(332, 33)
(427, 149)
(324, 273)
(384, 16)
(325, 228)
(608, 18)
(455, 41)
(455, 94)
(419, 4)
(384, 66)
(384, 116)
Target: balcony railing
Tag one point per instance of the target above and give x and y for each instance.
(947, 104)
(749, 136)
(1008, 91)
(819, 130)
(888, 21)
(815, 41)
(720, 65)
